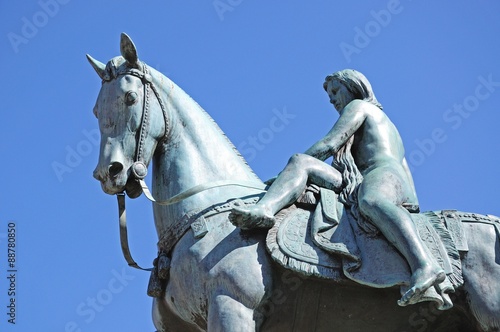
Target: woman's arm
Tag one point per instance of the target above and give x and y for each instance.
(351, 118)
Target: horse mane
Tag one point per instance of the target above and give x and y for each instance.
(155, 72)
(231, 145)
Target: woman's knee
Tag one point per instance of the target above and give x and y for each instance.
(370, 204)
(365, 202)
(297, 158)
(300, 161)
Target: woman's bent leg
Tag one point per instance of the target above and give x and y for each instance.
(286, 189)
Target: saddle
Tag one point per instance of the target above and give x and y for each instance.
(326, 241)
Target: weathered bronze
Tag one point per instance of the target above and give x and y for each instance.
(304, 273)
(372, 176)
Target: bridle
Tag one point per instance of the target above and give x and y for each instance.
(139, 168)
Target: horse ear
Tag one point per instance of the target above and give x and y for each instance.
(99, 67)
(128, 50)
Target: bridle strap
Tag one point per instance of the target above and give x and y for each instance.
(197, 189)
(147, 81)
(122, 213)
(145, 118)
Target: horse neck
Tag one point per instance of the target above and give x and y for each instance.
(197, 152)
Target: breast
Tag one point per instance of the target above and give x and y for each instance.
(377, 142)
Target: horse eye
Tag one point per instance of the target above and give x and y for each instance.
(130, 98)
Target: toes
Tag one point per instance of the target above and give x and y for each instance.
(405, 300)
(411, 296)
(235, 219)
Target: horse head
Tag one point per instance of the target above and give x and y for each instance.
(131, 120)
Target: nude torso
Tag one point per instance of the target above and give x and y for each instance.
(378, 146)
(377, 141)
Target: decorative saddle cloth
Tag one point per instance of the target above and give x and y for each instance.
(329, 243)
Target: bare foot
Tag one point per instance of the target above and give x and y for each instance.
(421, 280)
(251, 217)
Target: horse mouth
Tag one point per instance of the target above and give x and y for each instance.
(133, 188)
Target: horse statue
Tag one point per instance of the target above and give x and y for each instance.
(212, 276)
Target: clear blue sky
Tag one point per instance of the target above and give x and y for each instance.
(433, 65)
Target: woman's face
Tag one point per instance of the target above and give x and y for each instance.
(339, 95)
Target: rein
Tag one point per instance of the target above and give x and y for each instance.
(122, 214)
(140, 170)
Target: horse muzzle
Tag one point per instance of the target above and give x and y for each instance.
(116, 178)
(113, 178)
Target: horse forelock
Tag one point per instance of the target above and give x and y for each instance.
(116, 66)
(119, 66)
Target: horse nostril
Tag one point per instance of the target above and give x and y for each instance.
(115, 168)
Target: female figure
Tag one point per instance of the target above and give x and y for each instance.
(374, 178)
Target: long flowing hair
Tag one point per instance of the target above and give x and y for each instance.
(343, 161)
